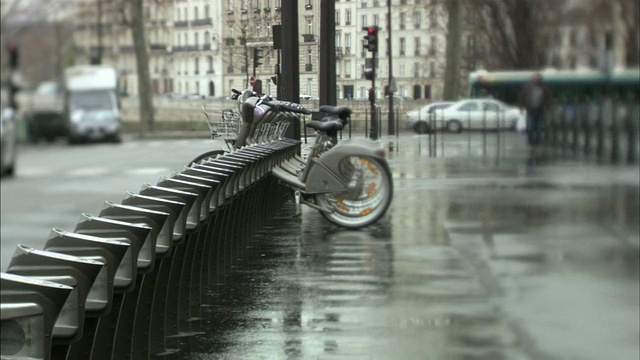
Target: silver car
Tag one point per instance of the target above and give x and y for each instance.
(8, 141)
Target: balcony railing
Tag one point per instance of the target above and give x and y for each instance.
(201, 22)
(338, 52)
(158, 47)
(308, 67)
(126, 48)
(185, 48)
(182, 23)
(308, 38)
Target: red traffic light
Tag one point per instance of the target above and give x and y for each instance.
(371, 30)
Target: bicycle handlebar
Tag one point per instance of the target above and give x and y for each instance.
(280, 106)
(276, 105)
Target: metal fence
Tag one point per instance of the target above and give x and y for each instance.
(130, 282)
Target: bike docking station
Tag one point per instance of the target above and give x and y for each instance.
(132, 281)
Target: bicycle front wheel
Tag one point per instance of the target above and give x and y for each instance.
(369, 196)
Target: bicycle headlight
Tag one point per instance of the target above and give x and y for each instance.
(76, 116)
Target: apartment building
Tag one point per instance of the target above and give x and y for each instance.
(205, 47)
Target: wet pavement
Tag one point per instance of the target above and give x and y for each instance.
(487, 252)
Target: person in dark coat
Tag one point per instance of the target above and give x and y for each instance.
(534, 99)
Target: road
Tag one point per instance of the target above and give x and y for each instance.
(56, 183)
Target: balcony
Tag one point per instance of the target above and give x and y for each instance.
(126, 48)
(230, 69)
(338, 52)
(201, 22)
(308, 6)
(158, 22)
(185, 48)
(229, 41)
(179, 24)
(158, 47)
(206, 47)
(308, 38)
(308, 67)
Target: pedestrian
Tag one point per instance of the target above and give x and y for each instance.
(534, 99)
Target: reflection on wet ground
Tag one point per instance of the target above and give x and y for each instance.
(480, 257)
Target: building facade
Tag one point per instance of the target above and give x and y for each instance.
(206, 47)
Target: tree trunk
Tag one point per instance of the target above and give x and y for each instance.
(147, 120)
(454, 40)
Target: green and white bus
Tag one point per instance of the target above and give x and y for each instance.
(564, 85)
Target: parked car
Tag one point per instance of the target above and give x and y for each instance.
(8, 141)
(419, 120)
(479, 114)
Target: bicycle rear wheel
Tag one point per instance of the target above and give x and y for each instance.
(368, 199)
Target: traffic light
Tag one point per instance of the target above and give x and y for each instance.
(371, 39)
(257, 55)
(372, 95)
(369, 75)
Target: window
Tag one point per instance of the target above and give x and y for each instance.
(402, 20)
(207, 15)
(309, 25)
(434, 45)
(364, 20)
(376, 20)
(490, 106)
(195, 13)
(403, 46)
(196, 39)
(432, 69)
(347, 69)
(433, 20)
(197, 63)
(347, 17)
(210, 61)
(416, 46)
(469, 106)
(337, 17)
(347, 44)
(417, 19)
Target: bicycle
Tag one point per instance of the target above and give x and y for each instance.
(349, 182)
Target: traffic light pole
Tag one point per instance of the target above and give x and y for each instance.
(373, 133)
(371, 44)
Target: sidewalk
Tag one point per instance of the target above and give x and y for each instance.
(486, 253)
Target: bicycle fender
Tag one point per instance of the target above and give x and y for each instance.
(325, 175)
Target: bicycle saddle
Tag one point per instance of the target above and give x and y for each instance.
(342, 112)
(329, 127)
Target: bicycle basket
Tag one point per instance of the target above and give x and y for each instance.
(226, 127)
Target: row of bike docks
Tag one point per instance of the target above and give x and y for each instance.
(130, 282)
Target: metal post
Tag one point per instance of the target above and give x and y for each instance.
(290, 62)
(328, 53)
(391, 89)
